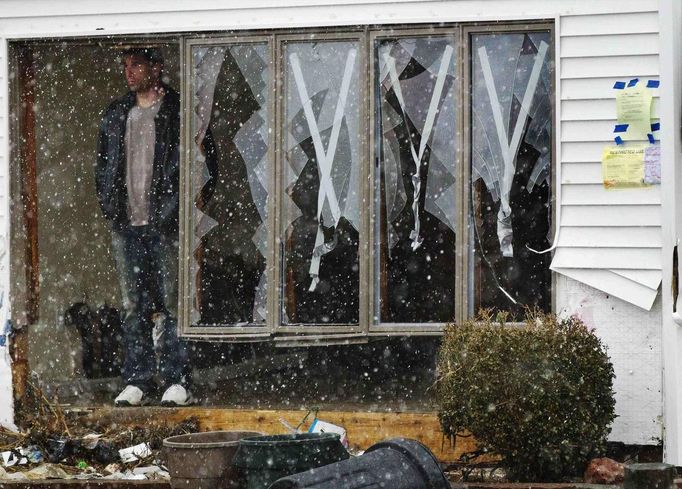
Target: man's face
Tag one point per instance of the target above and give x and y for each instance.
(140, 74)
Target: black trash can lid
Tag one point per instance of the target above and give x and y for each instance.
(422, 458)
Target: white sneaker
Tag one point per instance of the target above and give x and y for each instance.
(130, 396)
(177, 395)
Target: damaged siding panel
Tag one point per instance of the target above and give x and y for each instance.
(627, 290)
(648, 278)
(609, 240)
(607, 258)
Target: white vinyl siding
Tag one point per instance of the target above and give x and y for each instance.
(610, 240)
(4, 184)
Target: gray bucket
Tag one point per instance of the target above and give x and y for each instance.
(203, 460)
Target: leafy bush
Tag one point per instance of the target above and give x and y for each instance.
(539, 396)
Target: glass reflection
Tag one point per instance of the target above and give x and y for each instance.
(230, 184)
(321, 183)
(415, 183)
(511, 170)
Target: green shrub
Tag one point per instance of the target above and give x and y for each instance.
(539, 396)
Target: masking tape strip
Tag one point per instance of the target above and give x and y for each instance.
(325, 159)
(509, 150)
(426, 131)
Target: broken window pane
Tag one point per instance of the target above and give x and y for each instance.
(415, 182)
(229, 184)
(511, 112)
(321, 187)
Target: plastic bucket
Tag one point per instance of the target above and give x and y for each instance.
(397, 464)
(203, 460)
(262, 460)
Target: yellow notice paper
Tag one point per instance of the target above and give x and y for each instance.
(623, 167)
(633, 106)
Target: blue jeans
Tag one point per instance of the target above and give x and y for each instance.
(147, 266)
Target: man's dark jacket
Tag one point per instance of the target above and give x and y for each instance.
(110, 173)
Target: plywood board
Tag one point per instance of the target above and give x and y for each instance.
(364, 428)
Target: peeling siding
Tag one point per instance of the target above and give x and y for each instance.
(610, 240)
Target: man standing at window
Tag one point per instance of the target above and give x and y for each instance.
(137, 177)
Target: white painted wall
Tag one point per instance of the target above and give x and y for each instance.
(6, 407)
(633, 339)
(585, 73)
(671, 145)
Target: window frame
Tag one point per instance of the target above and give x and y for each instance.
(358, 36)
(221, 331)
(508, 28)
(367, 37)
(455, 33)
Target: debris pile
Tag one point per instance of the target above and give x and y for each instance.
(54, 444)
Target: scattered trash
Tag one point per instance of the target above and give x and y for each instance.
(319, 426)
(135, 453)
(14, 457)
(90, 441)
(152, 472)
(34, 455)
(290, 428)
(47, 471)
(12, 476)
(112, 468)
(58, 444)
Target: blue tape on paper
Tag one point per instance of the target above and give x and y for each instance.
(633, 82)
(656, 126)
(651, 138)
(621, 127)
(619, 85)
(653, 84)
(618, 140)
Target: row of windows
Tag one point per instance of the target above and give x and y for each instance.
(365, 181)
